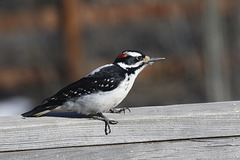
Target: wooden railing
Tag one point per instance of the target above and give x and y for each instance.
(188, 131)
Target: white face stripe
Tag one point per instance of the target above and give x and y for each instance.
(133, 54)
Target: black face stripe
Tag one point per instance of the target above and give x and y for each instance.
(132, 70)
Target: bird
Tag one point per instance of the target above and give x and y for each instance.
(99, 91)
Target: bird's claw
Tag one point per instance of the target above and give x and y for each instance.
(107, 125)
(120, 110)
(100, 116)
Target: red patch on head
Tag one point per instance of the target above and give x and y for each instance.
(122, 55)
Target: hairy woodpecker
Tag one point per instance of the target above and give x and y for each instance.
(99, 91)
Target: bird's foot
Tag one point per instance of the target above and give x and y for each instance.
(114, 110)
(100, 116)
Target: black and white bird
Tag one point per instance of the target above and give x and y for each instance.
(99, 91)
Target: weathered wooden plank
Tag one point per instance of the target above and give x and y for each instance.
(141, 125)
(214, 149)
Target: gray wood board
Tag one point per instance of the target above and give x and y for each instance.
(198, 149)
(145, 124)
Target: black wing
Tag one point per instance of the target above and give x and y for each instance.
(105, 79)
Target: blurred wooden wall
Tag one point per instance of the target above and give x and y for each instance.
(71, 17)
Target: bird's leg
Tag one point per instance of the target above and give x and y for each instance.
(100, 116)
(114, 110)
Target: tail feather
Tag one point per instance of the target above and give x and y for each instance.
(37, 111)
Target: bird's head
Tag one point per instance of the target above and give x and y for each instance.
(134, 61)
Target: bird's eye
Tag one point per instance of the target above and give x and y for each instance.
(140, 58)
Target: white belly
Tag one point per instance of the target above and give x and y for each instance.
(100, 101)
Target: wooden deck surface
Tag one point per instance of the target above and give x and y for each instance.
(188, 131)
